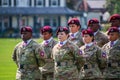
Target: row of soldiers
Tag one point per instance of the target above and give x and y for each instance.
(77, 55)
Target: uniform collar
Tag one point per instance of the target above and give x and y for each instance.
(114, 42)
(89, 44)
(96, 32)
(75, 33)
(63, 43)
(28, 41)
(48, 40)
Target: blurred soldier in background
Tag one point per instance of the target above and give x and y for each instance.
(28, 56)
(48, 44)
(75, 34)
(115, 20)
(112, 49)
(99, 37)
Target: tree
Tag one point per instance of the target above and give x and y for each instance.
(113, 6)
(72, 3)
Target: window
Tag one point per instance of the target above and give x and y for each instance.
(23, 21)
(40, 3)
(22, 3)
(38, 22)
(5, 3)
(6, 22)
(47, 21)
(55, 22)
(54, 3)
(0, 23)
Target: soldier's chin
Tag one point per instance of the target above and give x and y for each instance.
(59, 39)
(23, 39)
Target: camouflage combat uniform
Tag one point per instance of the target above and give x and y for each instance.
(113, 60)
(28, 59)
(48, 69)
(67, 61)
(95, 62)
(76, 39)
(100, 38)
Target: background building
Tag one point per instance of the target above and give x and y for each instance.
(15, 14)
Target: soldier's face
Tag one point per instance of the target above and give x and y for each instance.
(87, 38)
(46, 35)
(73, 28)
(113, 36)
(62, 36)
(94, 27)
(115, 23)
(26, 35)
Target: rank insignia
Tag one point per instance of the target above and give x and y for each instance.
(104, 55)
(42, 53)
(80, 52)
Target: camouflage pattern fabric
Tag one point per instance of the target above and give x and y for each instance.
(28, 59)
(95, 62)
(77, 40)
(48, 69)
(100, 39)
(113, 60)
(68, 61)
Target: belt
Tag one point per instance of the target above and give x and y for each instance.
(89, 66)
(27, 67)
(66, 63)
(113, 64)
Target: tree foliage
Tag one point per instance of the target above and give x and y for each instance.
(113, 6)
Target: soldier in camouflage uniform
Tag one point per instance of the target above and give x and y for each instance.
(48, 43)
(99, 37)
(112, 49)
(28, 56)
(115, 20)
(95, 59)
(75, 34)
(66, 56)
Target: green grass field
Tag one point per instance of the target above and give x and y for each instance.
(7, 66)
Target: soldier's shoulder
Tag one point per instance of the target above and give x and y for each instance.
(56, 45)
(72, 45)
(34, 43)
(96, 47)
(20, 43)
(42, 43)
(82, 47)
(54, 41)
(102, 33)
(107, 44)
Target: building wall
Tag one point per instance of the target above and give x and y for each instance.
(63, 21)
(14, 22)
(30, 21)
(94, 15)
(62, 3)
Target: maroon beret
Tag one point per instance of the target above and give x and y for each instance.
(63, 29)
(74, 21)
(113, 29)
(87, 31)
(114, 17)
(93, 21)
(46, 29)
(26, 29)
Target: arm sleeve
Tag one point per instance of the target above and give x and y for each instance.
(40, 55)
(79, 59)
(102, 59)
(14, 55)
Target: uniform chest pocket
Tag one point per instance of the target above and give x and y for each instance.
(92, 58)
(63, 55)
(29, 52)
